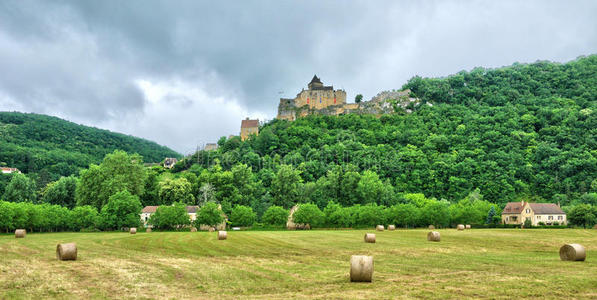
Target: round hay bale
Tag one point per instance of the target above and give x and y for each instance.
(361, 268)
(379, 228)
(133, 230)
(148, 230)
(431, 227)
(468, 226)
(20, 233)
(222, 235)
(193, 229)
(595, 227)
(66, 251)
(369, 238)
(391, 227)
(573, 252)
(433, 236)
(211, 229)
(307, 227)
(460, 227)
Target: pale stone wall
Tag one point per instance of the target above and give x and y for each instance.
(246, 132)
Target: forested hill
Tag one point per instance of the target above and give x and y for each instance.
(526, 131)
(52, 147)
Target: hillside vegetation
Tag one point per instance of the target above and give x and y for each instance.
(527, 131)
(48, 147)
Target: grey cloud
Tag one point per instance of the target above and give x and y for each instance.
(80, 59)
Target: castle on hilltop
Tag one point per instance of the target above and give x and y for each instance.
(316, 97)
(324, 100)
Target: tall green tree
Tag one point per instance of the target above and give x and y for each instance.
(61, 192)
(20, 189)
(286, 186)
(118, 172)
(122, 210)
(176, 190)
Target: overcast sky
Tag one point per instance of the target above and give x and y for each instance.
(185, 73)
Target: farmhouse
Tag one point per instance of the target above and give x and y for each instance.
(547, 213)
(169, 162)
(9, 170)
(149, 210)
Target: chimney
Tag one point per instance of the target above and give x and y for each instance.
(558, 203)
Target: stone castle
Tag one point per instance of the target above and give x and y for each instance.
(320, 99)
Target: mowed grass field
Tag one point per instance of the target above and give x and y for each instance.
(477, 263)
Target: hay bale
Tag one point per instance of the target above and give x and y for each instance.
(361, 268)
(433, 236)
(20, 233)
(595, 227)
(391, 227)
(460, 227)
(222, 235)
(211, 229)
(148, 230)
(133, 230)
(573, 252)
(431, 227)
(66, 251)
(193, 229)
(468, 226)
(379, 228)
(369, 238)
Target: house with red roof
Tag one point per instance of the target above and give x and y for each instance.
(546, 213)
(5, 170)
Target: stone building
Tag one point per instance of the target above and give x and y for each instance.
(547, 213)
(316, 97)
(248, 127)
(169, 162)
(210, 146)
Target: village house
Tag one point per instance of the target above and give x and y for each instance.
(248, 127)
(9, 170)
(169, 162)
(210, 146)
(149, 210)
(546, 213)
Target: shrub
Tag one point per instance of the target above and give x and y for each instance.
(170, 216)
(275, 215)
(310, 214)
(209, 214)
(242, 216)
(84, 217)
(122, 210)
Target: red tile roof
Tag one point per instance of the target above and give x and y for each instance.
(149, 209)
(546, 209)
(513, 208)
(249, 123)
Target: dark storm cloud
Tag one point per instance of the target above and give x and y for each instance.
(100, 62)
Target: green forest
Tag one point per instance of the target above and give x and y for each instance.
(477, 140)
(47, 148)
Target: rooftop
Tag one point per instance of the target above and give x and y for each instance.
(246, 123)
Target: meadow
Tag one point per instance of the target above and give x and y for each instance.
(477, 263)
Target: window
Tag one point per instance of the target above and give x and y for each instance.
(560, 218)
(528, 210)
(550, 218)
(538, 217)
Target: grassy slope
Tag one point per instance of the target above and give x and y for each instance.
(300, 264)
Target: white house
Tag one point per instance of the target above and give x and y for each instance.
(149, 210)
(9, 170)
